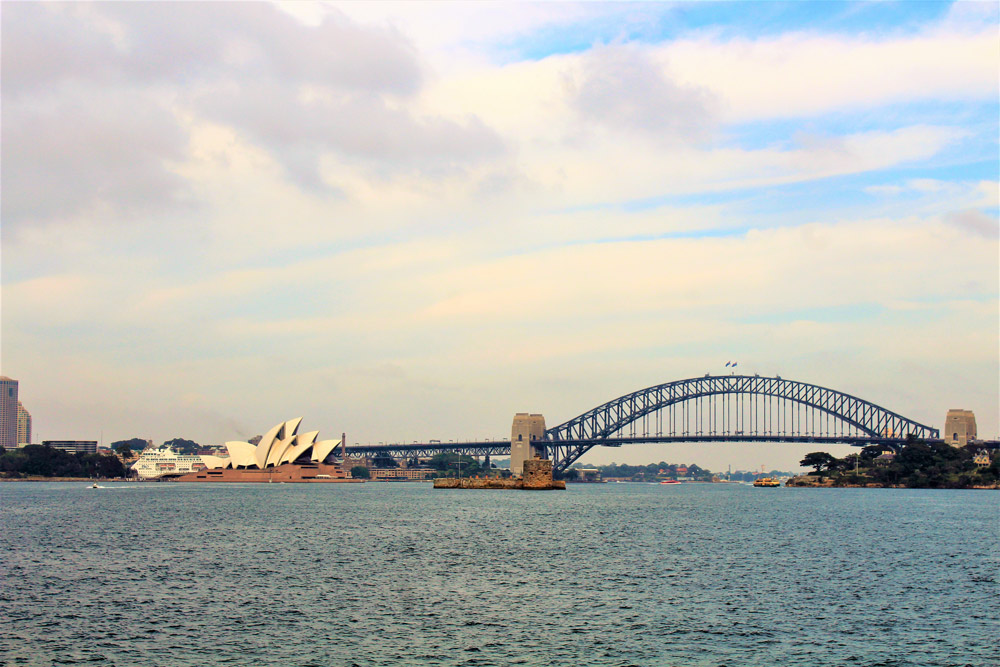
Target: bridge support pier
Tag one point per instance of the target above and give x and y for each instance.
(527, 436)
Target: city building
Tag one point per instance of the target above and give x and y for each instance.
(959, 428)
(8, 412)
(394, 474)
(73, 446)
(23, 425)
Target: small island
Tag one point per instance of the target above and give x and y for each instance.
(537, 477)
(915, 465)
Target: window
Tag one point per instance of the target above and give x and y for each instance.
(520, 437)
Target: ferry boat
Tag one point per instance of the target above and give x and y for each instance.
(159, 461)
(766, 481)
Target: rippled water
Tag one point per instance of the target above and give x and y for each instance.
(389, 574)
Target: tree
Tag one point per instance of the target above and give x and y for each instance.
(182, 446)
(459, 464)
(818, 460)
(131, 444)
(360, 472)
(123, 448)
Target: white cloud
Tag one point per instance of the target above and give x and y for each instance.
(807, 74)
(455, 238)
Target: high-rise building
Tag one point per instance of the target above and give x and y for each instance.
(23, 425)
(8, 412)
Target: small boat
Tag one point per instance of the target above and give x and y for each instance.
(94, 486)
(766, 481)
(670, 481)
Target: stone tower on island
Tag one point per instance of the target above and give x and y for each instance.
(528, 429)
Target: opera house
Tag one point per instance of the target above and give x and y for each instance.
(282, 455)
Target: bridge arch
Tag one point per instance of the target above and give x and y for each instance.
(735, 395)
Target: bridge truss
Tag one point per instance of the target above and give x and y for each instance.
(713, 408)
(731, 408)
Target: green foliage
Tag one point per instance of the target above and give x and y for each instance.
(918, 465)
(819, 460)
(40, 461)
(360, 472)
(182, 446)
(456, 465)
(127, 448)
(135, 444)
(654, 471)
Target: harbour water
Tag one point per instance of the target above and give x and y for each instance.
(392, 574)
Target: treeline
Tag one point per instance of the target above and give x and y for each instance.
(41, 461)
(179, 445)
(655, 471)
(916, 465)
(460, 465)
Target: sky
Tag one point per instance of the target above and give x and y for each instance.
(407, 221)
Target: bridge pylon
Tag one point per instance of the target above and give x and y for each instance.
(527, 436)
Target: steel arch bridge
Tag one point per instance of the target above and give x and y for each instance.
(730, 408)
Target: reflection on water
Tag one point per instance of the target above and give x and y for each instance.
(389, 574)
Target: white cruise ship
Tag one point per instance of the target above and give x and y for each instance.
(159, 461)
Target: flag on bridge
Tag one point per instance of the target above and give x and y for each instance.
(727, 364)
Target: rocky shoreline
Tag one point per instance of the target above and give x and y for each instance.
(828, 482)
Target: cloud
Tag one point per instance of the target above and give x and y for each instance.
(157, 43)
(299, 129)
(463, 237)
(92, 93)
(803, 74)
(623, 88)
(975, 222)
(83, 153)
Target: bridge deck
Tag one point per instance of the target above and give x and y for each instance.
(502, 447)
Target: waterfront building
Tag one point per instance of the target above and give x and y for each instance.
(393, 474)
(959, 428)
(8, 412)
(23, 425)
(885, 458)
(362, 461)
(73, 446)
(282, 455)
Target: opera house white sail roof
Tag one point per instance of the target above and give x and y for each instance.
(282, 444)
